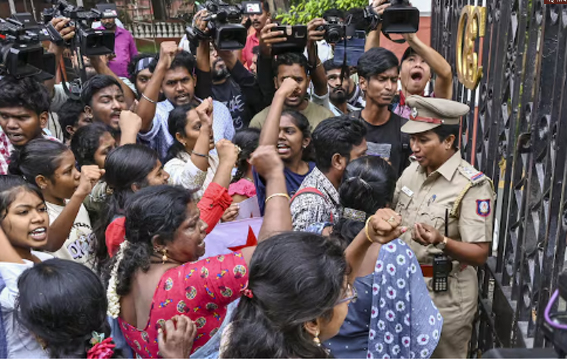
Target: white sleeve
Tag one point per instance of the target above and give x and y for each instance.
(185, 174)
(10, 273)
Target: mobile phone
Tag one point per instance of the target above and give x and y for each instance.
(296, 39)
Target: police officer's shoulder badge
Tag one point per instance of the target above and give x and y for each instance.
(483, 207)
(472, 174)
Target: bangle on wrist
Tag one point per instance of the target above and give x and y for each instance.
(366, 229)
(277, 195)
(441, 245)
(148, 99)
(198, 154)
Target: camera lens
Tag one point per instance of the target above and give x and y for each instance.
(333, 35)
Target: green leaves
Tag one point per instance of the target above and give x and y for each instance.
(301, 12)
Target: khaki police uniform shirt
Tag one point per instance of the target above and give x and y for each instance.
(456, 186)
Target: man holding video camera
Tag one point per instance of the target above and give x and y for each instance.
(124, 47)
(258, 22)
(418, 64)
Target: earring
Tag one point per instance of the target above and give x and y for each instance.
(41, 342)
(316, 339)
(164, 258)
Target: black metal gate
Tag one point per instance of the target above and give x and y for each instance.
(516, 133)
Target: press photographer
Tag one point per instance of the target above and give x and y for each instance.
(90, 49)
(258, 21)
(272, 70)
(124, 43)
(418, 63)
(22, 53)
(224, 24)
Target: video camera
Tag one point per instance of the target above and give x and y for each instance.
(87, 41)
(21, 52)
(224, 24)
(400, 18)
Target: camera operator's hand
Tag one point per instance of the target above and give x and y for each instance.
(314, 35)
(199, 21)
(373, 37)
(380, 5)
(245, 19)
(410, 38)
(269, 37)
(167, 51)
(229, 57)
(66, 32)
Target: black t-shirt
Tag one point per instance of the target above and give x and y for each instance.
(388, 141)
(230, 95)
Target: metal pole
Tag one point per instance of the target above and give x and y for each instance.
(12, 6)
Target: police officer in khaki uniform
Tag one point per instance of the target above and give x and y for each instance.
(448, 205)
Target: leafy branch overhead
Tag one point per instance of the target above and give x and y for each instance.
(304, 11)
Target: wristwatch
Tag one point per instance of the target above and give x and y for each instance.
(442, 244)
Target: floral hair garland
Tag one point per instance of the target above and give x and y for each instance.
(111, 295)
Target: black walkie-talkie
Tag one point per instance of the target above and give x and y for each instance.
(442, 265)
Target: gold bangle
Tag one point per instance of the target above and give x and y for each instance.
(277, 195)
(366, 229)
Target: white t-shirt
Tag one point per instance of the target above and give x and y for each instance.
(78, 244)
(183, 172)
(21, 343)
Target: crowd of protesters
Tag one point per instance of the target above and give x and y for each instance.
(372, 224)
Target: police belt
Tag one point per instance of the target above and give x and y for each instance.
(427, 269)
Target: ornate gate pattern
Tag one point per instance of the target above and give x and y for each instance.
(517, 135)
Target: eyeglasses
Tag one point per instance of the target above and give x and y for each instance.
(351, 295)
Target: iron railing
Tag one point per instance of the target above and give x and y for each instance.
(516, 133)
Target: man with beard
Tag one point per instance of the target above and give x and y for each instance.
(228, 92)
(378, 71)
(124, 48)
(258, 23)
(338, 88)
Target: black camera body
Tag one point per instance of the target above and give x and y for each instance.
(400, 18)
(90, 42)
(296, 39)
(334, 29)
(21, 52)
(224, 26)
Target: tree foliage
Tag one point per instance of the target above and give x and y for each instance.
(301, 12)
